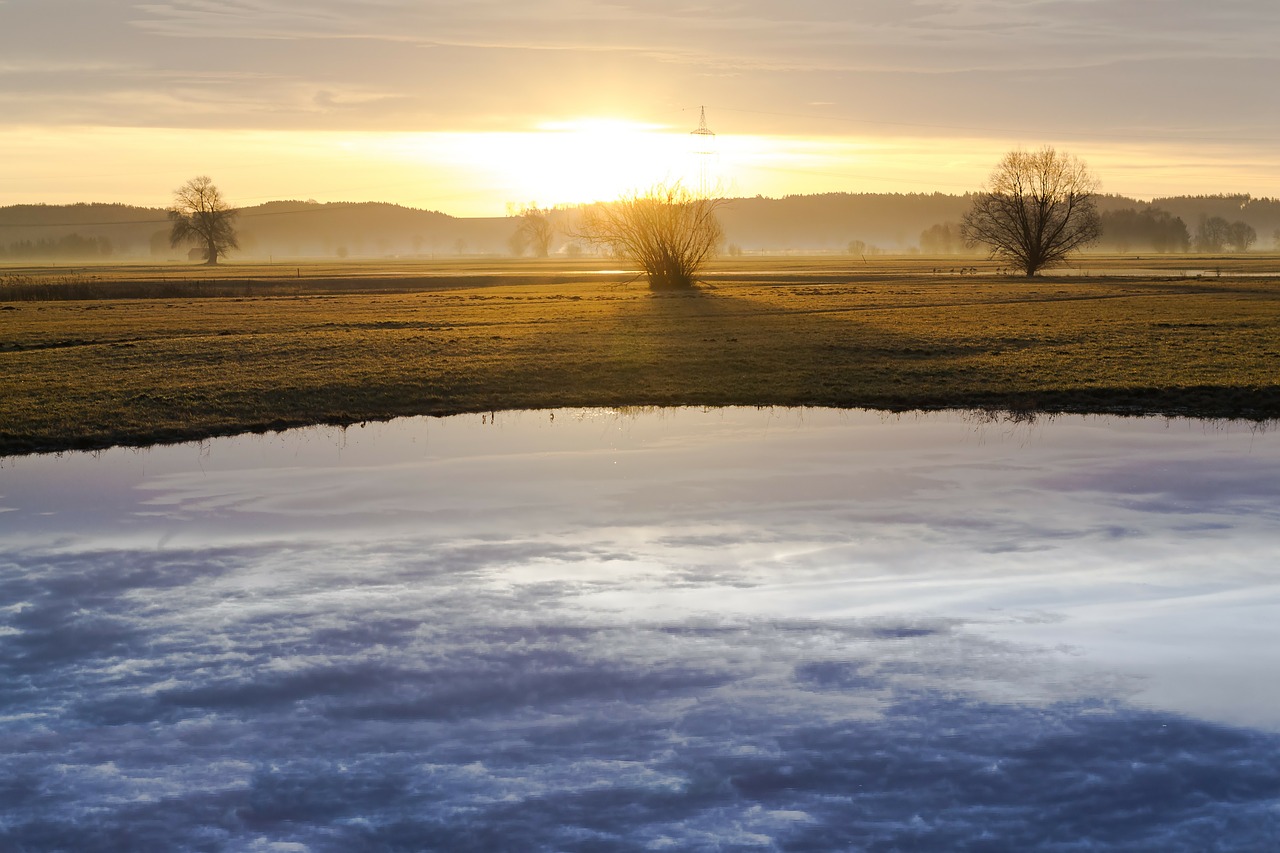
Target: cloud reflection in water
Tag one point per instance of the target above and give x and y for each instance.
(686, 630)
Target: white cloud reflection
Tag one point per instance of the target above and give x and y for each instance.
(771, 630)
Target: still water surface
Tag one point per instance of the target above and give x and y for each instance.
(681, 629)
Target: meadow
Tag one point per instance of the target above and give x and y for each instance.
(93, 357)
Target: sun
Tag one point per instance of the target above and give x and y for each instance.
(560, 162)
(595, 159)
(583, 160)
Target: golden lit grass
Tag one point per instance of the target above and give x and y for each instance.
(826, 332)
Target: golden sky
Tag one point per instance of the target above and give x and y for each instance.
(472, 106)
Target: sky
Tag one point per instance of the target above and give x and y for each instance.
(474, 107)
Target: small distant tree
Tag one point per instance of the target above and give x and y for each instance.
(941, 239)
(1038, 208)
(534, 232)
(667, 230)
(1212, 234)
(1240, 235)
(200, 216)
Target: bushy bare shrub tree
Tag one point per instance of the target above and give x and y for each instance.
(200, 216)
(1038, 208)
(667, 230)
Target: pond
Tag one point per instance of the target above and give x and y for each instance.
(669, 629)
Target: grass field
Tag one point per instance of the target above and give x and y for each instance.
(99, 356)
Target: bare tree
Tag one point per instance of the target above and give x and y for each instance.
(1037, 209)
(1212, 234)
(941, 239)
(1240, 235)
(667, 230)
(201, 216)
(535, 232)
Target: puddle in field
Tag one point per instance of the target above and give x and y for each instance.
(675, 629)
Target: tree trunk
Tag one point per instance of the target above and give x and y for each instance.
(211, 254)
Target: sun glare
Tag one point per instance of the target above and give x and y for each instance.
(558, 162)
(585, 160)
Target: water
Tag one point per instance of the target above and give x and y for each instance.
(731, 629)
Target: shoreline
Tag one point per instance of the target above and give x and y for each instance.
(1203, 405)
(97, 373)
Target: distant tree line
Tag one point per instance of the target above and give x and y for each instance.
(1151, 229)
(67, 247)
(827, 222)
(943, 239)
(1124, 230)
(1214, 234)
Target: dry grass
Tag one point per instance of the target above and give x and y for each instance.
(357, 343)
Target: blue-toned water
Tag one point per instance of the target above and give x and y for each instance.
(695, 630)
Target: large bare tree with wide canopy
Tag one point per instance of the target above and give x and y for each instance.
(1038, 208)
(201, 216)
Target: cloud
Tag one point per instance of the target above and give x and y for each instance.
(410, 65)
(827, 35)
(45, 66)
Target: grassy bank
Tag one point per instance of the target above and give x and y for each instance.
(352, 343)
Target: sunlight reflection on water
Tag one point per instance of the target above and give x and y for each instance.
(766, 628)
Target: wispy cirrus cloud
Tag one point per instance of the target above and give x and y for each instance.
(739, 53)
(921, 36)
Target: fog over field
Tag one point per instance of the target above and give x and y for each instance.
(833, 223)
